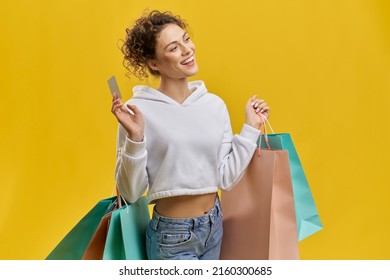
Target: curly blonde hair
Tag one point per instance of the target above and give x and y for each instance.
(140, 42)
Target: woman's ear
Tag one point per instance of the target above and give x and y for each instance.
(153, 65)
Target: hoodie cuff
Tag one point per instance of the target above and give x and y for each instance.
(250, 133)
(135, 149)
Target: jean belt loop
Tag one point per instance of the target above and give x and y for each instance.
(194, 224)
(216, 208)
(155, 222)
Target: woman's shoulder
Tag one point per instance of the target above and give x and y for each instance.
(210, 96)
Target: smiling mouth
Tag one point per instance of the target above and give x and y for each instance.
(188, 60)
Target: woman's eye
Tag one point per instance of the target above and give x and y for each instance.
(173, 49)
(187, 39)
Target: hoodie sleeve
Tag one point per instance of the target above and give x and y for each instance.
(236, 153)
(130, 170)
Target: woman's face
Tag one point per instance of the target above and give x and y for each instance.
(175, 54)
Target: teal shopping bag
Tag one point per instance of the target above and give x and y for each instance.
(73, 245)
(134, 221)
(114, 248)
(127, 232)
(308, 220)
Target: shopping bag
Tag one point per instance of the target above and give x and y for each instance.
(134, 220)
(258, 213)
(259, 219)
(308, 220)
(95, 248)
(113, 248)
(74, 244)
(127, 232)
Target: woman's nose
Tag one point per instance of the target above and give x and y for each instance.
(186, 50)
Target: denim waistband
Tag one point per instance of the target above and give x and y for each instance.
(160, 222)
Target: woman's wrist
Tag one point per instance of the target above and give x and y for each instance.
(255, 125)
(136, 137)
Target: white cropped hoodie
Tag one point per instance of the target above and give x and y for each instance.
(188, 148)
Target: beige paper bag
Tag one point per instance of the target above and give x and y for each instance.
(259, 220)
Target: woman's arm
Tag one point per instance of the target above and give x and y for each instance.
(131, 156)
(130, 170)
(237, 151)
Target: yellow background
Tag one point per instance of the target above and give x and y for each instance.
(323, 67)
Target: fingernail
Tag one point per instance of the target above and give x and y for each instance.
(257, 110)
(253, 103)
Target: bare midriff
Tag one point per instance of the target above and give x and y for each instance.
(186, 206)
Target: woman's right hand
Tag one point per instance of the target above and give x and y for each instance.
(133, 123)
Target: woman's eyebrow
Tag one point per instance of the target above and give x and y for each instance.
(175, 42)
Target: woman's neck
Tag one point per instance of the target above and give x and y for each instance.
(175, 89)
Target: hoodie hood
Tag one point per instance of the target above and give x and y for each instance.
(148, 93)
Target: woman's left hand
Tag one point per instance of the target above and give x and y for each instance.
(254, 107)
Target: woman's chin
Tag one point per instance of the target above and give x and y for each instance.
(193, 71)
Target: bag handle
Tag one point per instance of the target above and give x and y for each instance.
(119, 199)
(264, 125)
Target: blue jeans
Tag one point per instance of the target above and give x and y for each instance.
(196, 238)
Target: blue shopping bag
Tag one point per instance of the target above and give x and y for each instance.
(114, 248)
(127, 232)
(74, 244)
(308, 220)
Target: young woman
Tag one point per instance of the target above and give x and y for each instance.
(176, 141)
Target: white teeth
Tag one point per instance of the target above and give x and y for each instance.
(190, 59)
